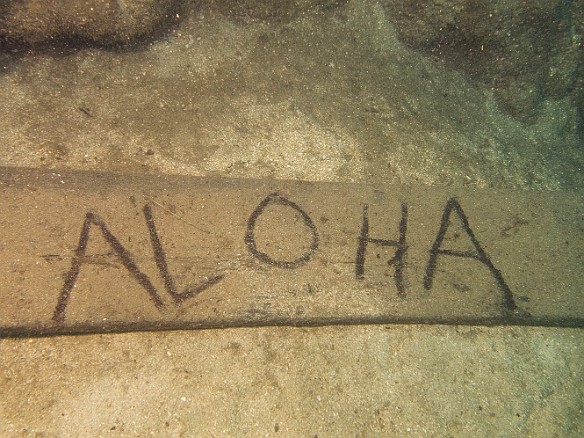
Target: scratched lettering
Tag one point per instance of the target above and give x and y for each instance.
(397, 261)
(276, 199)
(453, 206)
(231, 253)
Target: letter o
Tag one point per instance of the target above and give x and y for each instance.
(277, 199)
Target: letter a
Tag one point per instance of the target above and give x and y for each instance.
(453, 205)
(80, 258)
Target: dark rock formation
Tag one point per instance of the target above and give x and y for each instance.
(526, 51)
(101, 22)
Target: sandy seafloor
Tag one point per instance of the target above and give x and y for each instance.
(334, 97)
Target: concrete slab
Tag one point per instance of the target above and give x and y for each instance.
(86, 252)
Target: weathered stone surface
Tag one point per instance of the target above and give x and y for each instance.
(526, 51)
(103, 22)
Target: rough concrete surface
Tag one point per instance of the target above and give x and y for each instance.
(328, 94)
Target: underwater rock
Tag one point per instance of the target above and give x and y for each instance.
(34, 23)
(525, 51)
(270, 10)
(101, 22)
